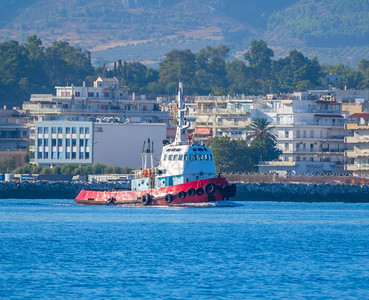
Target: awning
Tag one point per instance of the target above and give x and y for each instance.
(204, 131)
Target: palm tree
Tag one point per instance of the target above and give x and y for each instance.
(261, 130)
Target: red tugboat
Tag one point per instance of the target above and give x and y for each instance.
(185, 174)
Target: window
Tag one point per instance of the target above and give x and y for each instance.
(74, 155)
(180, 157)
(165, 157)
(87, 155)
(287, 134)
(210, 157)
(67, 142)
(191, 156)
(304, 134)
(81, 142)
(311, 147)
(90, 94)
(170, 157)
(197, 157)
(53, 142)
(286, 146)
(53, 129)
(74, 130)
(185, 157)
(201, 156)
(311, 133)
(80, 155)
(81, 130)
(311, 158)
(67, 155)
(39, 155)
(106, 94)
(53, 155)
(39, 142)
(60, 142)
(60, 130)
(46, 155)
(39, 129)
(67, 130)
(87, 142)
(60, 155)
(87, 130)
(46, 142)
(74, 142)
(77, 94)
(46, 129)
(175, 157)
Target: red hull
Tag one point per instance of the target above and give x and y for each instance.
(179, 194)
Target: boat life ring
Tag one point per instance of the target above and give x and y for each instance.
(210, 188)
(146, 199)
(182, 195)
(199, 191)
(146, 173)
(191, 192)
(168, 198)
(233, 190)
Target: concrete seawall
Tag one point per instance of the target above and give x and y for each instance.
(292, 192)
(50, 190)
(289, 192)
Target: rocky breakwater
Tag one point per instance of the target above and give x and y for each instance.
(291, 192)
(51, 190)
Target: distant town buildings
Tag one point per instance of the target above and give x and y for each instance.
(317, 131)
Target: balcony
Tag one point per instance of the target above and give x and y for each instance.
(356, 140)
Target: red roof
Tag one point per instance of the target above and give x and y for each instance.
(204, 131)
(360, 115)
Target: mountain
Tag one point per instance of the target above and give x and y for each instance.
(333, 30)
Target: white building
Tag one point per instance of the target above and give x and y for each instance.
(89, 143)
(222, 116)
(309, 128)
(357, 143)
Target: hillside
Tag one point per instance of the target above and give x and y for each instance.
(333, 30)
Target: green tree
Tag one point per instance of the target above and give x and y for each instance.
(259, 57)
(178, 65)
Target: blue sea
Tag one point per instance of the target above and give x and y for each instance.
(242, 250)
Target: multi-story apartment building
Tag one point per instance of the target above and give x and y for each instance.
(222, 116)
(105, 100)
(357, 143)
(309, 128)
(67, 123)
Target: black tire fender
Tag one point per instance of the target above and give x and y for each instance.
(146, 199)
(191, 192)
(168, 198)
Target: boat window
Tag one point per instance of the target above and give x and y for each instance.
(205, 149)
(191, 156)
(180, 157)
(175, 157)
(200, 149)
(165, 157)
(170, 157)
(206, 157)
(194, 149)
(167, 150)
(210, 157)
(178, 149)
(185, 157)
(197, 157)
(202, 157)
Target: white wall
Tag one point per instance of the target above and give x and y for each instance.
(117, 144)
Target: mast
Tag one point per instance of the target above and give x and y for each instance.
(182, 125)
